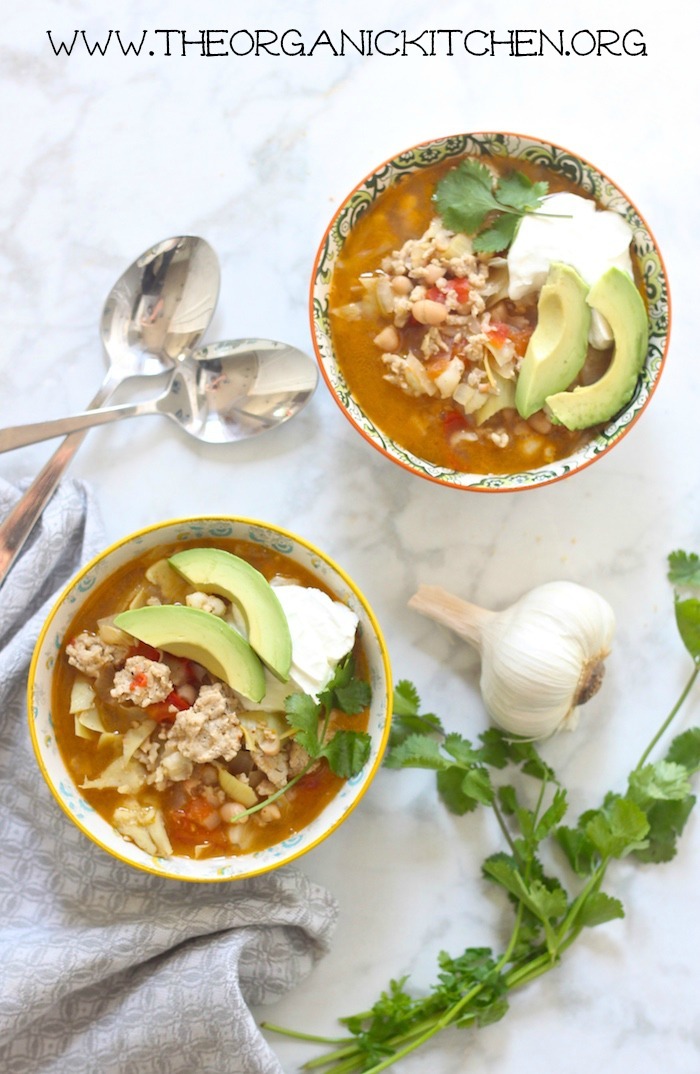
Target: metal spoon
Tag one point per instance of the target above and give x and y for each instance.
(221, 393)
(158, 309)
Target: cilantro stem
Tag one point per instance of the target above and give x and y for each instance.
(505, 832)
(277, 794)
(669, 719)
(313, 1038)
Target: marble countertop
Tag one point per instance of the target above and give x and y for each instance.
(106, 155)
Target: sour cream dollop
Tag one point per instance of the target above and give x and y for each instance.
(575, 233)
(323, 632)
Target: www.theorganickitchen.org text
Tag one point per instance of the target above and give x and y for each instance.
(475, 43)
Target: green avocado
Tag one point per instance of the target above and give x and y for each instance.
(616, 297)
(213, 570)
(558, 346)
(199, 636)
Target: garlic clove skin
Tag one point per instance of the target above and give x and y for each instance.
(543, 657)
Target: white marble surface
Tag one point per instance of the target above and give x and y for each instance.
(102, 157)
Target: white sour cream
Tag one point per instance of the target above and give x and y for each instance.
(576, 234)
(323, 632)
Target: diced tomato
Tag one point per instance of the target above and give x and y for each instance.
(454, 422)
(460, 287)
(141, 649)
(435, 294)
(199, 810)
(437, 365)
(187, 823)
(161, 711)
(181, 703)
(499, 332)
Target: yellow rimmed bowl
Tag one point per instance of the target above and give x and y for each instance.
(49, 648)
(560, 162)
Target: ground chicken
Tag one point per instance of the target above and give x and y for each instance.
(210, 729)
(276, 767)
(163, 762)
(298, 759)
(90, 655)
(142, 681)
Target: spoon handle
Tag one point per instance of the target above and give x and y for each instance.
(21, 520)
(16, 436)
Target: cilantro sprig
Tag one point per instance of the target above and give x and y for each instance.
(551, 906)
(469, 198)
(346, 751)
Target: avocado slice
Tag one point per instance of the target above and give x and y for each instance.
(199, 636)
(616, 297)
(214, 570)
(558, 346)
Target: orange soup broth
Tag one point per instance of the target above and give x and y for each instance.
(84, 759)
(424, 425)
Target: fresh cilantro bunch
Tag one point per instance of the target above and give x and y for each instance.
(469, 198)
(550, 908)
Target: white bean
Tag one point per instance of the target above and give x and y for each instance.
(269, 813)
(231, 811)
(401, 285)
(426, 311)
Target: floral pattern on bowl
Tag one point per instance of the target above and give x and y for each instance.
(51, 641)
(561, 162)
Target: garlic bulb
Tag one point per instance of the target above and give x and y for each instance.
(540, 659)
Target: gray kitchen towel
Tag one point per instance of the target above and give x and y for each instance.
(102, 967)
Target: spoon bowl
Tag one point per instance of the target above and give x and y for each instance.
(219, 394)
(157, 310)
(161, 306)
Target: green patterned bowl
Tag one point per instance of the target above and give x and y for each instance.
(561, 162)
(50, 644)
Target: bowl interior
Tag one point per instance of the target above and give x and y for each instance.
(50, 644)
(561, 162)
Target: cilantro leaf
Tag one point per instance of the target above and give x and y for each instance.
(688, 623)
(464, 196)
(417, 751)
(664, 781)
(579, 850)
(461, 750)
(406, 699)
(407, 718)
(684, 568)
(618, 829)
(516, 190)
(354, 697)
(685, 749)
(345, 691)
(347, 752)
(666, 822)
(303, 715)
(455, 795)
(498, 236)
(598, 908)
